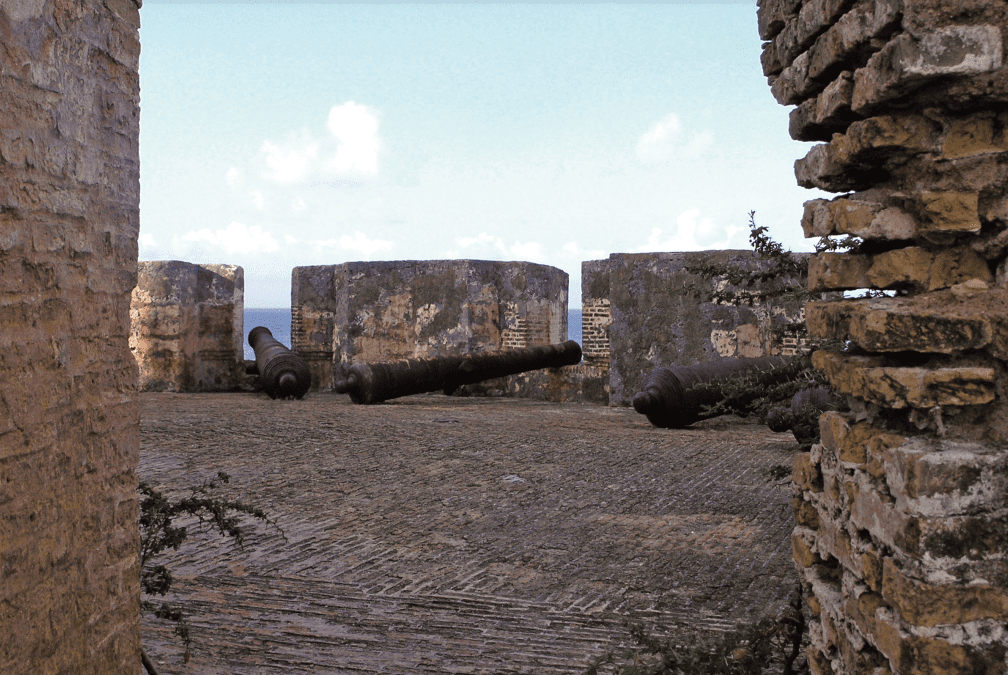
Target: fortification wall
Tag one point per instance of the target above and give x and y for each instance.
(187, 326)
(901, 511)
(69, 427)
(370, 312)
(645, 310)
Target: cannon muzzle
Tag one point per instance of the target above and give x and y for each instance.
(376, 382)
(673, 398)
(283, 373)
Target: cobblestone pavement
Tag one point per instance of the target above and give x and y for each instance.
(448, 535)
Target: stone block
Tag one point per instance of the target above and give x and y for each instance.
(833, 429)
(980, 133)
(868, 220)
(802, 547)
(927, 604)
(806, 514)
(946, 478)
(940, 322)
(911, 268)
(893, 386)
(817, 119)
(187, 330)
(372, 312)
(805, 474)
(950, 211)
(908, 62)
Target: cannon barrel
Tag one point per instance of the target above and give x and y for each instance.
(282, 372)
(376, 382)
(673, 398)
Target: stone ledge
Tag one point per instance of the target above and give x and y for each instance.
(876, 380)
(928, 212)
(942, 322)
(911, 268)
(927, 604)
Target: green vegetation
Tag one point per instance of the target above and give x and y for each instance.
(160, 529)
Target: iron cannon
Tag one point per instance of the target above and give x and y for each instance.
(377, 382)
(676, 397)
(283, 373)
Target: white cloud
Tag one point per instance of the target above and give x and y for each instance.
(663, 141)
(355, 127)
(257, 200)
(232, 177)
(573, 250)
(235, 238)
(694, 232)
(147, 240)
(292, 161)
(360, 242)
(290, 240)
(531, 250)
(298, 205)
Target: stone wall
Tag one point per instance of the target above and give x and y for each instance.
(901, 524)
(188, 326)
(69, 426)
(637, 315)
(369, 312)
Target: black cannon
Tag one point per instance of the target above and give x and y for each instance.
(802, 416)
(282, 372)
(377, 382)
(673, 398)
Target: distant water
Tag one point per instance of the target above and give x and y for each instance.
(279, 320)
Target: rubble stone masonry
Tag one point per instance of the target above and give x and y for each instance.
(902, 518)
(69, 426)
(370, 312)
(188, 327)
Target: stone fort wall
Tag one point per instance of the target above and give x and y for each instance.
(187, 326)
(69, 426)
(641, 311)
(902, 528)
(370, 312)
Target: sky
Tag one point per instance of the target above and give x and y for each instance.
(274, 135)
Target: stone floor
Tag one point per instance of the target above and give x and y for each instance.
(437, 534)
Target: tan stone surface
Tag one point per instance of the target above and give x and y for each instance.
(69, 219)
(924, 604)
(940, 322)
(900, 387)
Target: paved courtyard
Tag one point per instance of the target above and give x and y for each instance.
(449, 535)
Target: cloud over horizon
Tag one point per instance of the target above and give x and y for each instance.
(663, 142)
(235, 238)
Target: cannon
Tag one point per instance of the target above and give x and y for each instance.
(282, 372)
(673, 398)
(801, 417)
(376, 382)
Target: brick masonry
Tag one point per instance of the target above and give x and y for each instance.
(188, 327)
(370, 312)
(900, 532)
(69, 424)
(638, 315)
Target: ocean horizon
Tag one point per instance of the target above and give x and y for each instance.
(278, 322)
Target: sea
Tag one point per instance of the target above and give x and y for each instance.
(279, 320)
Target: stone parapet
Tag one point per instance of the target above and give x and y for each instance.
(69, 422)
(188, 326)
(901, 524)
(641, 311)
(371, 312)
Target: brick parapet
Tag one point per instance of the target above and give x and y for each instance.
(69, 426)
(900, 511)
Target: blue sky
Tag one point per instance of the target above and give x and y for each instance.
(276, 135)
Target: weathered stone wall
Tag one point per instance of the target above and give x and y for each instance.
(902, 524)
(69, 427)
(369, 312)
(638, 314)
(188, 326)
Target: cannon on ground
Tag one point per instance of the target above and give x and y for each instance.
(376, 382)
(676, 397)
(283, 373)
(801, 417)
